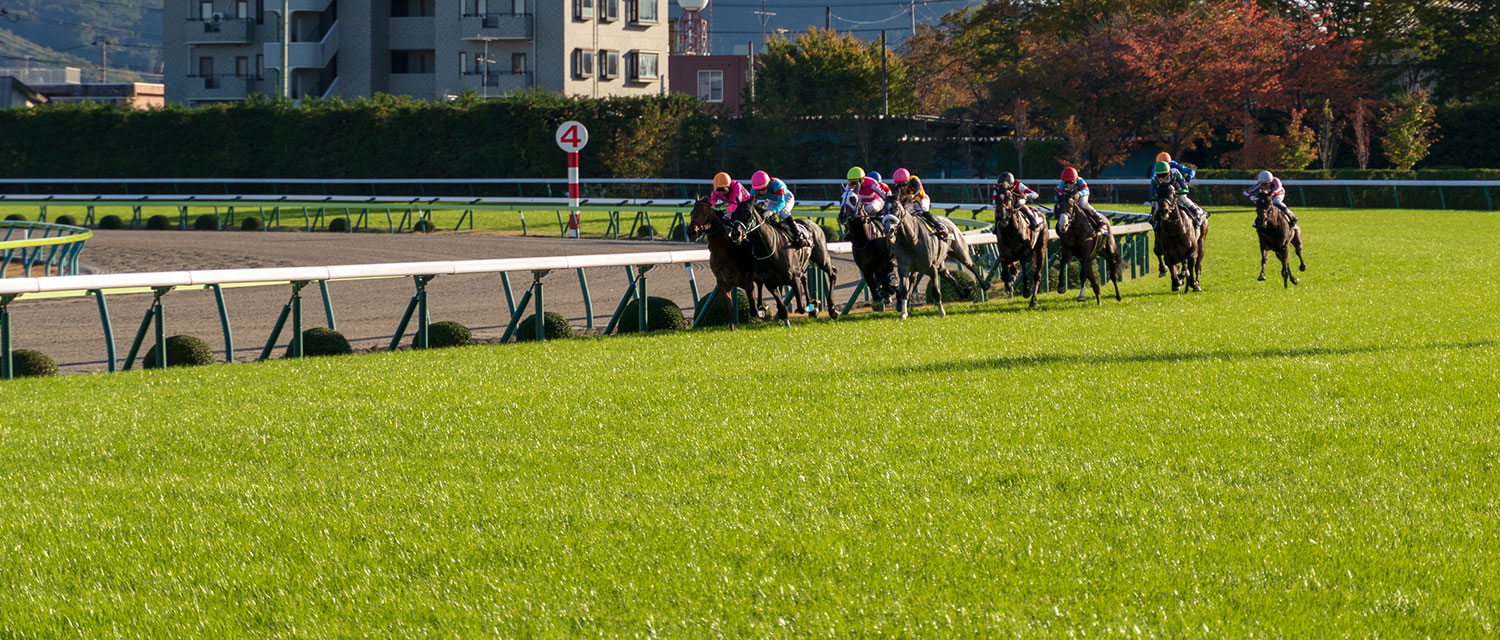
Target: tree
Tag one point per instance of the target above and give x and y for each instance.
(1298, 146)
(1409, 130)
(1329, 131)
(827, 73)
(1362, 134)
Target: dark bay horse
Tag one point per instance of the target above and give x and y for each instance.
(1019, 245)
(919, 251)
(1275, 234)
(732, 264)
(777, 264)
(872, 250)
(1080, 239)
(1179, 241)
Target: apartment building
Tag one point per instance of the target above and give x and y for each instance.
(225, 50)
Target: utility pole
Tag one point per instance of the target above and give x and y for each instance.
(828, 18)
(885, 90)
(752, 74)
(286, 39)
(913, 18)
(103, 45)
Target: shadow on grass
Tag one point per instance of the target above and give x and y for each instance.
(1014, 362)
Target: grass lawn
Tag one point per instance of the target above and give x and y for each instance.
(1249, 461)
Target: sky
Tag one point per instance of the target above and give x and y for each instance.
(734, 23)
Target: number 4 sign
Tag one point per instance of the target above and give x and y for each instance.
(571, 137)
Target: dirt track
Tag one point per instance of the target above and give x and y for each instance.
(367, 312)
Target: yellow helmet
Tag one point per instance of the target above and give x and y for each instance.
(722, 180)
(855, 173)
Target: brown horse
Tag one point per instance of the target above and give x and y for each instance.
(1179, 241)
(778, 263)
(871, 249)
(1079, 238)
(732, 264)
(1018, 242)
(1275, 234)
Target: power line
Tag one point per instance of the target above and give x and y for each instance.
(819, 5)
(123, 5)
(65, 23)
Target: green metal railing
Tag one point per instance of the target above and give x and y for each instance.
(40, 248)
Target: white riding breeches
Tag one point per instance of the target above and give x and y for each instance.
(786, 212)
(875, 206)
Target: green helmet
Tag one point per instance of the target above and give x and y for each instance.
(855, 173)
(1163, 168)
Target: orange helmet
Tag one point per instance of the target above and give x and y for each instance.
(1164, 157)
(722, 180)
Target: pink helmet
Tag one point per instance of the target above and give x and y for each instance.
(760, 180)
(901, 175)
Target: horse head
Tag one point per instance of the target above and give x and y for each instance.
(703, 217)
(894, 213)
(744, 220)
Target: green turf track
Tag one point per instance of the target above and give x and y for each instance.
(1247, 462)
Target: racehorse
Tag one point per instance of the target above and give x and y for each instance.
(919, 251)
(732, 264)
(1179, 241)
(777, 264)
(1079, 238)
(872, 250)
(1017, 242)
(1275, 234)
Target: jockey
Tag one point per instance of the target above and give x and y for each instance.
(883, 186)
(1188, 174)
(871, 193)
(1005, 186)
(1166, 175)
(1070, 185)
(911, 186)
(778, 201)
(728, 192)
(1272, 185)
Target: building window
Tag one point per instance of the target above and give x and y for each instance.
(583, 63)
(260, 66)
(241, 66)
(609, 64)
(260, 11)
(412, 61)
(206, 66)
(413, 8)
(642, 10)
(642, 66)
(518, 63)
(583, 9)
(711, 86)
(609, 10)
(242, 10)
(206, 10)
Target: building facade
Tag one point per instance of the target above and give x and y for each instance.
(226, 50)
(721, 82)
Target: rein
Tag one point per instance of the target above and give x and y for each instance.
(747, 229)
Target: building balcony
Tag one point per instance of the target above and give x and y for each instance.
(224, 31)
(219, 88)
(496, 83)
(496, 26)
(304, 55)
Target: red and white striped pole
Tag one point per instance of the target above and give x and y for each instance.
(571, 137)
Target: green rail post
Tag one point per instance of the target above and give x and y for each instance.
(854, 298)
(1349, 192)
(1396, 193)
(588, 304)
(109, 333)
(625, 299)
(698, 310)
(692, 282)
(6, 373)
(424, 318)
(510, 300)
(1442, 200)
(223, 321)
(327, 305)
(182, 216)
(1490, 204)
(297, 319)
(161, 338)
(641, 299)
(515, 317)
(540, 312)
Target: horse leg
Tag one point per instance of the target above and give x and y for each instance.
(1116, 273)
(947, 276)
(727, 292)
(833, 280)
(1093, 279)
(967, 261)
(1085, 267)
(1038, 260)
(1297, 243)
(1062, 269)
(781, 311)
(1174, 270)
(1263, 253)
(902, 290)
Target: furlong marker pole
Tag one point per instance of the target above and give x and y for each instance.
(573, 199)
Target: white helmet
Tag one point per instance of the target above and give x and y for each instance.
(1266, 177)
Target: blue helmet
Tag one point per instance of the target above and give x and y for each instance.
(876, 176)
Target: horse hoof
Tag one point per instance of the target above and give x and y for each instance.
(985, 285)
(1081, 298)
(1296, 281)
(1176, 286)
(1302, 267)
(1262, 277)
(1197, 289)
(833, 315)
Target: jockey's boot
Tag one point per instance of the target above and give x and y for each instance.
(1291, 218)
(1260, 220)
(796, 233)
(934, 225)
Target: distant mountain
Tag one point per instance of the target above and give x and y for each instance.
(735, 23)
(74, 33)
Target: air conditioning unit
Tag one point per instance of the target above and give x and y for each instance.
(218, 17)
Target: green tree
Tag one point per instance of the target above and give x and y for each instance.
(827, 73)
(1409, 130)
(1299, 146)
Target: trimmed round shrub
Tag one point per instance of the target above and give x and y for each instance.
(15, 217)
(251, 223)
(717, 314)
(206, 222)
(111, 221)
(29, 363)
(661, 315)
(66, 219)
(338, 225)
(832, 233)
(422, 226)
(680, 231)
(182, 351)
(447, 333)
(322, 341)
(159, 222)
(645, 231)
(555, 326)
(1075, 276)
(949, 294)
